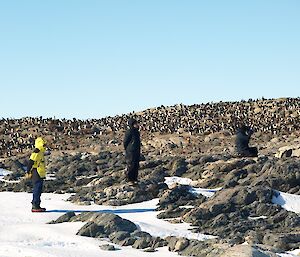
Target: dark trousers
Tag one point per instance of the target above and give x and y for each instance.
(132, 161)
(37, 191)
(250, 152)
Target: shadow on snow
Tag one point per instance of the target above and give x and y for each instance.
(120, 211)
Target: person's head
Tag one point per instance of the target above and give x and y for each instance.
(40, 144)
(244, 128)
(132, 123)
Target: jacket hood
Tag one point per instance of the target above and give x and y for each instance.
(131, 122)
(40, 144)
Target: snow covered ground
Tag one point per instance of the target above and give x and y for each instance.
(287, 201)
(4, 172)
(26, 234)
(186, 181)
(23, 233)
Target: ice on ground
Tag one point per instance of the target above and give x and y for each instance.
(4, 172)
(186, 181)
(178, 180)
(294, 253)
(258, 218)
(287, 201)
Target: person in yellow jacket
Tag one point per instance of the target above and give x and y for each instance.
(37, 171)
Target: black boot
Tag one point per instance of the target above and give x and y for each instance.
(37, 208)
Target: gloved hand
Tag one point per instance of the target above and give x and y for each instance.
(47, 152)
(28, 175)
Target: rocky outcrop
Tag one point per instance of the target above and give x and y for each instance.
(288, 151)
(176, 202)
(108, 225)
(64, 218)
(107, 247)
(282, 175)
(119, 194)
(235, 213)
(109, 222)
(246, 251)
(241, 212)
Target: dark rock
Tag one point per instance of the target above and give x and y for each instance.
(220, 220)
(149, 250)
(245, 197)
(231, 213)
(207, 159)
(142, 243)
(64, 218)
(244, 251)
(171, 240)
(178, 196)
(292, 220)
(91, 229)
(237, 164)
(108, 247)
(172, 200)
(178, 167)
(266, 209)
(140, 234)
(83, 181)
(118, 236)
(172, 212)
(151, 164)
(254, 237)
(280, 216)
(201, 249)
(230, 183)
(128, 241)
(282, 241)
(106, 223)
(181, 244)
(196, 215)
(280, 174)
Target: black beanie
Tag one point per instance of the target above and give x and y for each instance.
(131, 122)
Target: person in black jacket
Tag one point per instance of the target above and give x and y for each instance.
(242, 142)
(132, 145)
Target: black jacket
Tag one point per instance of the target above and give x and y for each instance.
(132, 141)
(35, 175)
(242, 141)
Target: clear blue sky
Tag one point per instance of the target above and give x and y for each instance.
(94, 58)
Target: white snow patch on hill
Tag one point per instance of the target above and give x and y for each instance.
(4, 172)
(287, 201)
(170, 181)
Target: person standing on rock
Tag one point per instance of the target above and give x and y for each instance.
(132, 145)
(242, 142)
(37, 171)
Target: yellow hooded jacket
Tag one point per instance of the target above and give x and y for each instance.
(39, 158)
